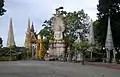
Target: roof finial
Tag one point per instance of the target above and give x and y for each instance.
(32, 27)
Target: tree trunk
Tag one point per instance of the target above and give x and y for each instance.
(69, 57)
(83, 56)
(65, 55)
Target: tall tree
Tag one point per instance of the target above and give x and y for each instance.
(46, 33)
(82, 47)
(2, 10)
(76, 24)
(108, 8)
(1, 42)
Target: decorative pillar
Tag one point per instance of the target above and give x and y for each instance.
(109, 41)
(10, 40)
(91, 38)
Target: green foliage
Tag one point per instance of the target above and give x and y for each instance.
(74, 21)
(19, 53)
(23, 52)
(76, 24)
(46, 33)
(2, 10)
(3, 51)
(1, 42)
(4, 58)
(108, 8)
(83, 45)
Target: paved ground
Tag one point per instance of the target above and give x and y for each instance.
(107, 65)
(53, 69)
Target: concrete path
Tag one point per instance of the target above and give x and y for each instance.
(53, 69)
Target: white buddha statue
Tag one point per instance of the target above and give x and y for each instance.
(58, 26)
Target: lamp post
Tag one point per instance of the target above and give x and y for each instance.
(104, 54)
(91, 53)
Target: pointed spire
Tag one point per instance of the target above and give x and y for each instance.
(10, 40)
(91, 39)
(109, 40)
(32, 28)
(28, 35)
(32, 23)
(28, 28)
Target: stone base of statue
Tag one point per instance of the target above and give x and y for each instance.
(56, 49)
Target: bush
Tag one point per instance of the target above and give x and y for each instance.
(7, 58)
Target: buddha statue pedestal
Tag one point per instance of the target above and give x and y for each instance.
(57, 48)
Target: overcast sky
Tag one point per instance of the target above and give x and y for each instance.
(38, 11)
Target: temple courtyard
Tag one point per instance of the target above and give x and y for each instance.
(54, 69)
